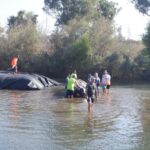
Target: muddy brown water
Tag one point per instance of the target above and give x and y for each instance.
(45, 120)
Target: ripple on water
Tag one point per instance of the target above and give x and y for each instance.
(119, 120)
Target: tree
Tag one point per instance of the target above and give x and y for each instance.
(66, 10)
(84, 36)
(143, 6)
(107, 9)
(146, 41)
(25, 39)
(2, 38)
(22, 18)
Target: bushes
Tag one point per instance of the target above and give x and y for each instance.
(86, 43)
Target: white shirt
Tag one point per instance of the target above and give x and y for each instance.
(106, 78)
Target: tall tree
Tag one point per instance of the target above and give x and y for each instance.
(146, 41)
(85, 33)
(107, 9)
(22, 34)
(22, 18)
(66, 10)
(143, 6)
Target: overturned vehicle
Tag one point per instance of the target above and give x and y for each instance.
(80, 90)
(25, 81)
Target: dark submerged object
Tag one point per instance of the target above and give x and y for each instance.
(80, 91)
(25, 81)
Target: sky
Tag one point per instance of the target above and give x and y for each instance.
(12, 7)
(132, 23)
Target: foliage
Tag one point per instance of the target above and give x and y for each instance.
(101, 36)
(107, 9)
(66, 57)
(142, 5)
(87, 42)
(144, 60)
(69, 9)
(78, 52)
(86, 35)
(25, 38)
(80, 42)
(65, 10)
(22, 18)
(146, 40)
(113, 63)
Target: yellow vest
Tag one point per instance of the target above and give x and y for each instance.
(71, 84)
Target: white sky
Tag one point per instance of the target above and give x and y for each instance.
(133, 23)
(12, 7)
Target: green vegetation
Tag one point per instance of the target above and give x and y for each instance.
(142, 5)
(85, 39)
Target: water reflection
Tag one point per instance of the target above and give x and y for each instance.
(89, 123)
(14, 105)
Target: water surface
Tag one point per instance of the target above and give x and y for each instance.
(45, 120)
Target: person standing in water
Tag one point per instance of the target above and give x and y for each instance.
(97, 82)
(91, 93)
(66, 83)
(103, 83)
(106, 82)
(71, 83)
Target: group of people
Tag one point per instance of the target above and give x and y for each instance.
(93, 84)
(93, 87)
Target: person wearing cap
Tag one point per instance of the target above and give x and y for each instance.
(91, 93)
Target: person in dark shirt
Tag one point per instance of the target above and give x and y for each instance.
(91, 93)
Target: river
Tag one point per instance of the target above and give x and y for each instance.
(45, 120)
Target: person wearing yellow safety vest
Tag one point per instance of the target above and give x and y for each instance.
(71, 86)
(66, 83)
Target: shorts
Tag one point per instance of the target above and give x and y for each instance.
(90, 99)
(70, 93)
(108, 86)
(103, 86)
